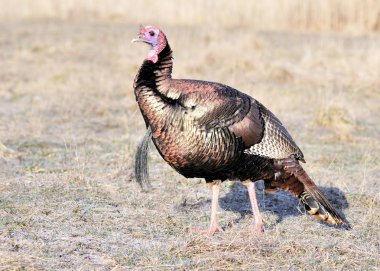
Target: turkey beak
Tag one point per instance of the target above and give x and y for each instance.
(138, 39)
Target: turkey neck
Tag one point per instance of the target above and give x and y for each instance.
(155, 77)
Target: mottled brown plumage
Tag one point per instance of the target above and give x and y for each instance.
(213, 131)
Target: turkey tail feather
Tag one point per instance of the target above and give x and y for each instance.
(141, 161)
(292, 177)
(315, 202)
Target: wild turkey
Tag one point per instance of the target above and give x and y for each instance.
(213, 131)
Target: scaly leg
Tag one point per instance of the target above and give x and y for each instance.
(214, 226)
(257, 219)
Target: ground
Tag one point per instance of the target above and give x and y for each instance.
(70, 126)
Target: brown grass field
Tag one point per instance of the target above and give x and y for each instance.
(69, 127)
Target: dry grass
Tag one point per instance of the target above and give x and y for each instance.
(355, 16)
(70, 126)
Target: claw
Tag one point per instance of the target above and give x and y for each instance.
(210, 231)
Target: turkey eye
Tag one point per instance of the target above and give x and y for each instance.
(151, 33)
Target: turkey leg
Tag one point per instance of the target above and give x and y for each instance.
(214, 226)
(257, 219)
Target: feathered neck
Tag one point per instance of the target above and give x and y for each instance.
(157, 75)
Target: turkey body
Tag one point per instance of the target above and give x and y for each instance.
(206, 129)
(213, 131)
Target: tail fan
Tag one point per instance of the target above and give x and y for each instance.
(141, 161)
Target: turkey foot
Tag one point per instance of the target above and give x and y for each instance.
(210, 231)
(257, 219)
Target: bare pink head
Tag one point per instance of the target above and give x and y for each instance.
(155, 38)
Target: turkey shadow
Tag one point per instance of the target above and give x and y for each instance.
(282, 204)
